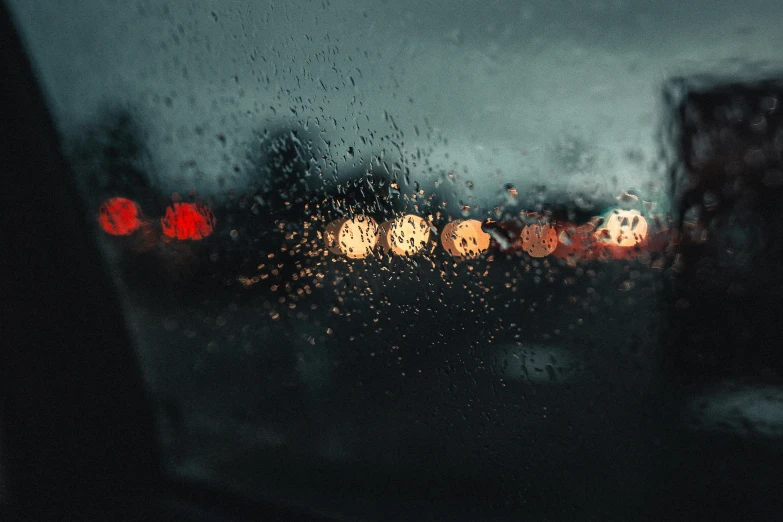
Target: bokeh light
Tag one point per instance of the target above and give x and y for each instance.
(539, 240)
(352, 237)
(464, 239)
(624, 228)
(192, 221)
(405, 236)
(119, 216)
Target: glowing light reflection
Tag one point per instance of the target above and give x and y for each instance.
(119, 217)
(405, 236)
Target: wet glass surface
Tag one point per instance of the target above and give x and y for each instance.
(438, 260)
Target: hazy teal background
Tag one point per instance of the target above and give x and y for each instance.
(565, 93)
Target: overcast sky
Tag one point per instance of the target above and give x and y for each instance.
(565, 93)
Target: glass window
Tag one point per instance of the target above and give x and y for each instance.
(428, 259)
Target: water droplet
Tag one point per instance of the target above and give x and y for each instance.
(627, 198)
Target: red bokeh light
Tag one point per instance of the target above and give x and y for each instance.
(188, 221)
(119, 216)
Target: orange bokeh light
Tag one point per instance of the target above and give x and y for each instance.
(464, 239)
(405, 236)
(352, 237)
(623, 228)
(539, 240)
